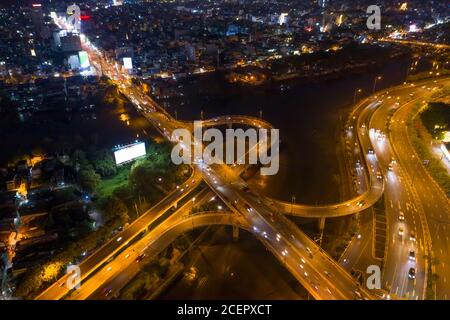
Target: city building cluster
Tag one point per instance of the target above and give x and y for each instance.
(178, 38)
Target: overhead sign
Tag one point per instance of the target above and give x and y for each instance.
(84, 60)
(127, 63)
(129, 152)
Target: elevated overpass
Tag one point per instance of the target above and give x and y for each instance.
(307, 262)
(348, 207)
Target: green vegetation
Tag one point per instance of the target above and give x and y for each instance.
(89, 180)
(104, 163)
(42, 275)
(205, 207)
(151, 276)
(108, 185)
(426, 75)
(117, 194)
(436, 118)
(380, 204)
(432, 277)
(328, 60)
(338, 233)
(142, 184)
(434, 166)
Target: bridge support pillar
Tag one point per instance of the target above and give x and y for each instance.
(321, 224)
(235, 233)
(321, 228)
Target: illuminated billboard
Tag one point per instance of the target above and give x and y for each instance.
(127, 63)
(84, 60)
(74, 62)
(130, 152)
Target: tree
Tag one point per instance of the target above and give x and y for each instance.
(79, 157)
(104, 163)
(89, 180)
(124, 193)
(114, 208)
(142, 178)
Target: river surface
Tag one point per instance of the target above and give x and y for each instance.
(222, 268)
(308, 116)
(105, 126)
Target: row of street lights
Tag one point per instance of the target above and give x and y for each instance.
(359, 90)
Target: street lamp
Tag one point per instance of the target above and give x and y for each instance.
(356, 92)
(408, 70)
(375, 82)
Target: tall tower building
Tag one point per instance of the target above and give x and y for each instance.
(70, 43)
(37, 16)
(322, 3)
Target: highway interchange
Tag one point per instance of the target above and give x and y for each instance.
(423, 206)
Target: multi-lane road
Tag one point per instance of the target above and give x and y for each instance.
(121, 240)
(323, 277)
(413, 201)
(429, 203)
(305, 260)
(115, 274)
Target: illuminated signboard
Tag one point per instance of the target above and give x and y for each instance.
(127, 63)
(445, 151)
(84, 59)
(129, 152)
(74, 62)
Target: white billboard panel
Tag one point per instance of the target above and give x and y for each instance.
(84, 59)
(74, 62)
(129, 153)
(127, 63)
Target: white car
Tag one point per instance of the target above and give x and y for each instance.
(379, 176)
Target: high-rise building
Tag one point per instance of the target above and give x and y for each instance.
(70, 43)
(322, 3)
(123, 52)
(3, 70)
(74, 62)
(37, 16)
(190, 52)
